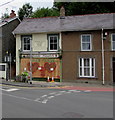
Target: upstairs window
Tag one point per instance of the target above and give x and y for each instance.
(26, 43)
(53, 41)
(113, 41)
(86, 42)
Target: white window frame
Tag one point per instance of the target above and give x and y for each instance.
(112, 41)
(49, 42)
(90, 67)
(23, 42)
(90, 42)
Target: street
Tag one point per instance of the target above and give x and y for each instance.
(25, 102)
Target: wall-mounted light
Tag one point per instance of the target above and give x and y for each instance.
(105, 35)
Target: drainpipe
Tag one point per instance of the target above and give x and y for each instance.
(103, 62)
(31, 63)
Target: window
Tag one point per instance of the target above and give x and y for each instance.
(86, 42)
(53, 42)
(2, 67)
(87, 67)
(26, 43)
(113, 41)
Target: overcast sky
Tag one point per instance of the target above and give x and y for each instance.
(8, 5)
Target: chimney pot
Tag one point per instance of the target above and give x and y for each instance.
(62, 12)
(12, 14)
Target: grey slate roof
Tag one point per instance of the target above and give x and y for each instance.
(7, 20)
(70, 23)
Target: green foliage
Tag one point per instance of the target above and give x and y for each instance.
(25, 11)
(25, 74)
(44, 12)
(71, 8)
(5, 15)
(78, 8)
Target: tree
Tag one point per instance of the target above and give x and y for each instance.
(44, 12)
(78, 8)
(5, 15)
(25, 11)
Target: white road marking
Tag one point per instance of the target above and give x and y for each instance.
(62, 91)
(87, 91)
(17, 97)
(37, 99)
(44, 101)
(50, 97)
(77, 91)
(23, 98)
(2, 89)
(43, 96)
(10, 89)
(52, 93)
(58, 94)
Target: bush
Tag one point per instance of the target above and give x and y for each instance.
(18, 78)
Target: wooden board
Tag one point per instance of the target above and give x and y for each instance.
(42, 68)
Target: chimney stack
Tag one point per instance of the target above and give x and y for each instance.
(62, 13)
(12, 14)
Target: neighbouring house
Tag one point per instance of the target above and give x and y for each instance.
(77, 48)
(88, 45)
(8, 45)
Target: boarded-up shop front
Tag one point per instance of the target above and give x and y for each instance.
(42, 68)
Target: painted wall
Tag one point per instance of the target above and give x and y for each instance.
(0, 44)
(39, 42)
(72, 52)
(3, 73)
(18, 47)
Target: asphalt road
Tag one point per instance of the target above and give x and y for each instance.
(55, 103)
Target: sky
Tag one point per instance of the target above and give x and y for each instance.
(7, 5)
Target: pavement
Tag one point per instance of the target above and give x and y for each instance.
(65, 85)
(34, 83)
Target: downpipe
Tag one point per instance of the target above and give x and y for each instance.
(103, 61)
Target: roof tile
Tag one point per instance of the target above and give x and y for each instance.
(70, 23)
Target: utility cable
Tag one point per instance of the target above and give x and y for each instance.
(6, 3)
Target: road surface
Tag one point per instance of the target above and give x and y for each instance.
(36, 102)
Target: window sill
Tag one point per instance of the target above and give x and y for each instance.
(87, 77)
(53, 50)
(86, 50)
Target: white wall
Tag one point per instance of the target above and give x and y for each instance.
(3, 73)
(39, 42)
(18, 46)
